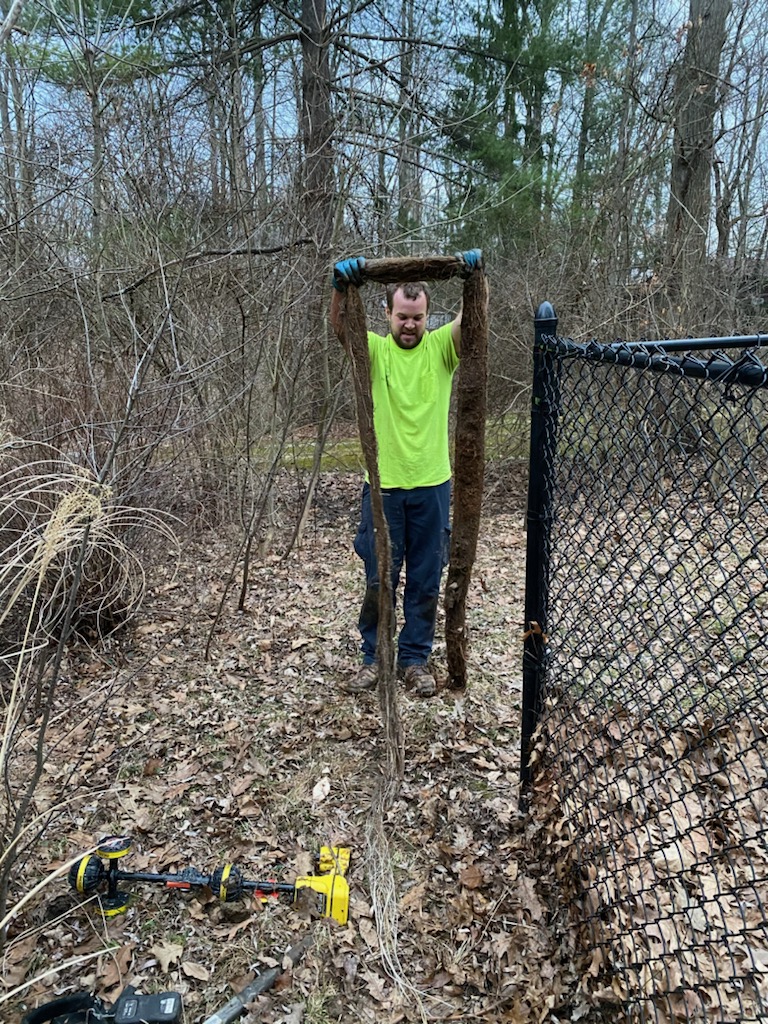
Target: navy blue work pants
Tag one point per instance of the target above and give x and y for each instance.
(419, 530)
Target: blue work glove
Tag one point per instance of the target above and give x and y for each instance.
(472, 259)
(348, 272)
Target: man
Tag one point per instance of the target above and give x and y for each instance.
(411, 378)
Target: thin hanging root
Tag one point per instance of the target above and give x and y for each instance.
(384, 895)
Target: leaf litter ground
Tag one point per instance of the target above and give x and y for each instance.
(256, 756)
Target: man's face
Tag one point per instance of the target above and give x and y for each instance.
(407, 319)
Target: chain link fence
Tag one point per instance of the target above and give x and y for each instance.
(645, 700)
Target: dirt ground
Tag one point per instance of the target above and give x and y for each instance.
(256, 756)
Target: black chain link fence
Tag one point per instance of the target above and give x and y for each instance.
(646, 668)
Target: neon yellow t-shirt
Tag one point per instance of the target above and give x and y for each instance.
(411, 391)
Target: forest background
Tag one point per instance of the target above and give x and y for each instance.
(176, 183)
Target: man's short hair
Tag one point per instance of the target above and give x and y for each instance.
(410, 289)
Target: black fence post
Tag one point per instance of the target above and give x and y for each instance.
(544, 413)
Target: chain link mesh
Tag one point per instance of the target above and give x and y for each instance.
(650, 756)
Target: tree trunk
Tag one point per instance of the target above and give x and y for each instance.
(695, 105)
(317, 202)
(594, 37)
(231, 96)
(10, 183)
(754, 112)
(93, 85)
(317, 190)
(259, 171)
(621, 217)
(9, 20)
(408, 172)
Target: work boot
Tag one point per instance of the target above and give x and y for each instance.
(367, 678)
(421, 680)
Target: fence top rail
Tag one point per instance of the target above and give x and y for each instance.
(657, 356)
(697, 344)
